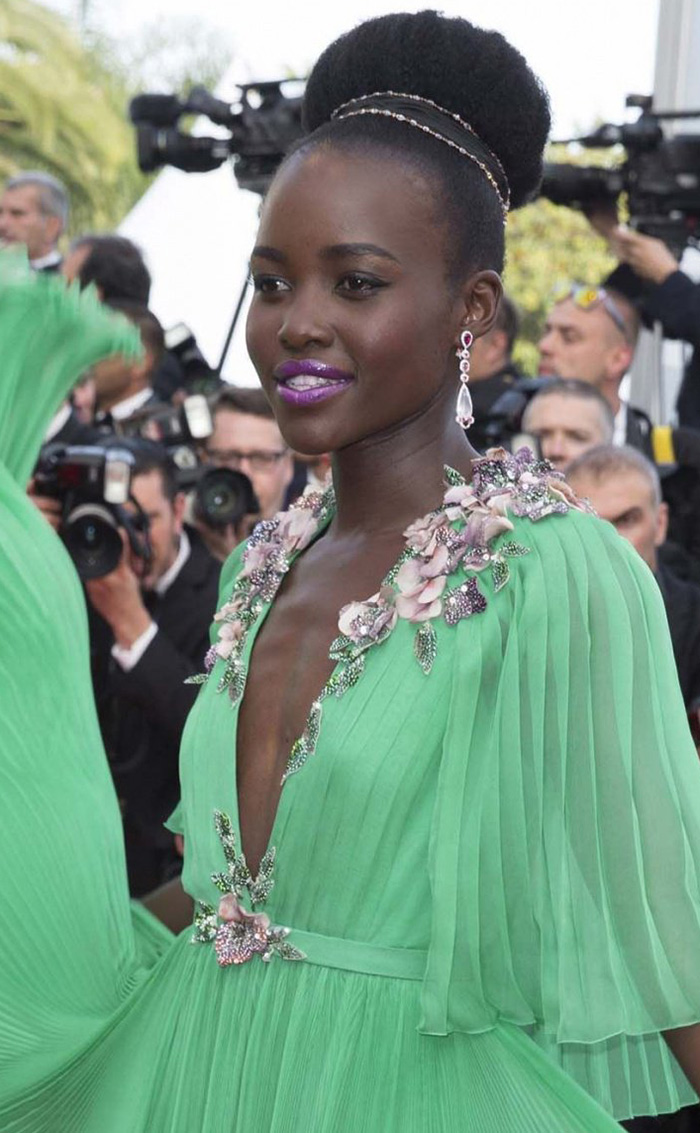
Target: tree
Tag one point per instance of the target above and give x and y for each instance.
(62, 111)
(549, 245)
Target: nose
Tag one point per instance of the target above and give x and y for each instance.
(554, 449)
(304, 323)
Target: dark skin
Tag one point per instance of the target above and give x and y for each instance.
(350, 275)
(390, 433)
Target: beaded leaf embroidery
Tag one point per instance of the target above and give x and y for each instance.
(461, 535)
(238, 935)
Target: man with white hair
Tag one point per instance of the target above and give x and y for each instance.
(623, 487)
(34, 212)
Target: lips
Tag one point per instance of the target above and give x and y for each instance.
(307, 381)
(310, 367)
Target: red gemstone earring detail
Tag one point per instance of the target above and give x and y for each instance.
(464, 415)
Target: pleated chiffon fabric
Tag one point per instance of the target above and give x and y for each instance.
(492, 869)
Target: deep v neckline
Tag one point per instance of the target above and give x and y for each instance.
(247, 654)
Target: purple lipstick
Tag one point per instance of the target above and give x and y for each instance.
(307, 381)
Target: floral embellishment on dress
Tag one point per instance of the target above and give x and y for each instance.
(237, 934)
(467, 533)
(266, 560)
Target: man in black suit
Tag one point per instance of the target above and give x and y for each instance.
(34, 212)
(149, 628)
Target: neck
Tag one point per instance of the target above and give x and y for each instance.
(386, 481)
(610, 389)
(108, 401)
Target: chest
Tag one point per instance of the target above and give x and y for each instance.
(290, 662)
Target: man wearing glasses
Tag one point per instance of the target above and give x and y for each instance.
(246, 439)
(591, 334)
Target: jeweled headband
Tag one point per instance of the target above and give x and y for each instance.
(445, 125)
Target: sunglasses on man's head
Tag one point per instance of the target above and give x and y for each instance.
(588, 298)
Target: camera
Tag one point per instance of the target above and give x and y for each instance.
(220, 496)
(198, 374)
(93, 483)
(260, 127)
(502, 428)
(661, 175)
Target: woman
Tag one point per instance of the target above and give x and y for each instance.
(475, 815)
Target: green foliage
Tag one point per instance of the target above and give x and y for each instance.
(62, 110)
(64, 96)
(548, 245)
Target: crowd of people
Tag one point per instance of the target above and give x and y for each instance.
(492, 869)
(149, 623)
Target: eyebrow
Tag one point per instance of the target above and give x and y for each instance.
(333, 252)
(263, 252)
(336, 251)
(629, 513)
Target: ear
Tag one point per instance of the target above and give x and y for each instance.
(478, 303)
(143, 367)
(661, 525)
(52, 228)
(179, 504)
(619, 361)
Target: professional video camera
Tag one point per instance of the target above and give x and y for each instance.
(260, 127)
(661, 175)
(221, 496)
(93, 483)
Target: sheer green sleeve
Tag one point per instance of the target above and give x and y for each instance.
(50, 335)
(565, 851)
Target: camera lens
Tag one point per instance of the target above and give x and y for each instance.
(222, 496)
(91, 535)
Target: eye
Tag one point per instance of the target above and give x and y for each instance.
(358, 284)
(268, 284)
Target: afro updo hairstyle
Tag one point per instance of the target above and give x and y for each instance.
(472, 72)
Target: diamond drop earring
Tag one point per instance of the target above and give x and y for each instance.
(464, 415)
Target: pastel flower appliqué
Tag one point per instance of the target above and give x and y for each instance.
(236, 933)
(468, 533)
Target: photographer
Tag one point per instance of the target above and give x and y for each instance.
(649, 275)
(149, 629)
(246, 439)
(149, 623)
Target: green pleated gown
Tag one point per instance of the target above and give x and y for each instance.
(491, 869)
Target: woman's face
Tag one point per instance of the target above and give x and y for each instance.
(353, 326)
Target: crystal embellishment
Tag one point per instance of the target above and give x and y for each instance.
(238, 935)
(467, 534)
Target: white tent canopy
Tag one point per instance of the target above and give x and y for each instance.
(196, 231)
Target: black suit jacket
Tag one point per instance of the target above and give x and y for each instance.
(74, 432)
(638, 433)
(682, 601)
(142, 712)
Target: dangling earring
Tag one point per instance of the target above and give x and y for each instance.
(464, 415)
